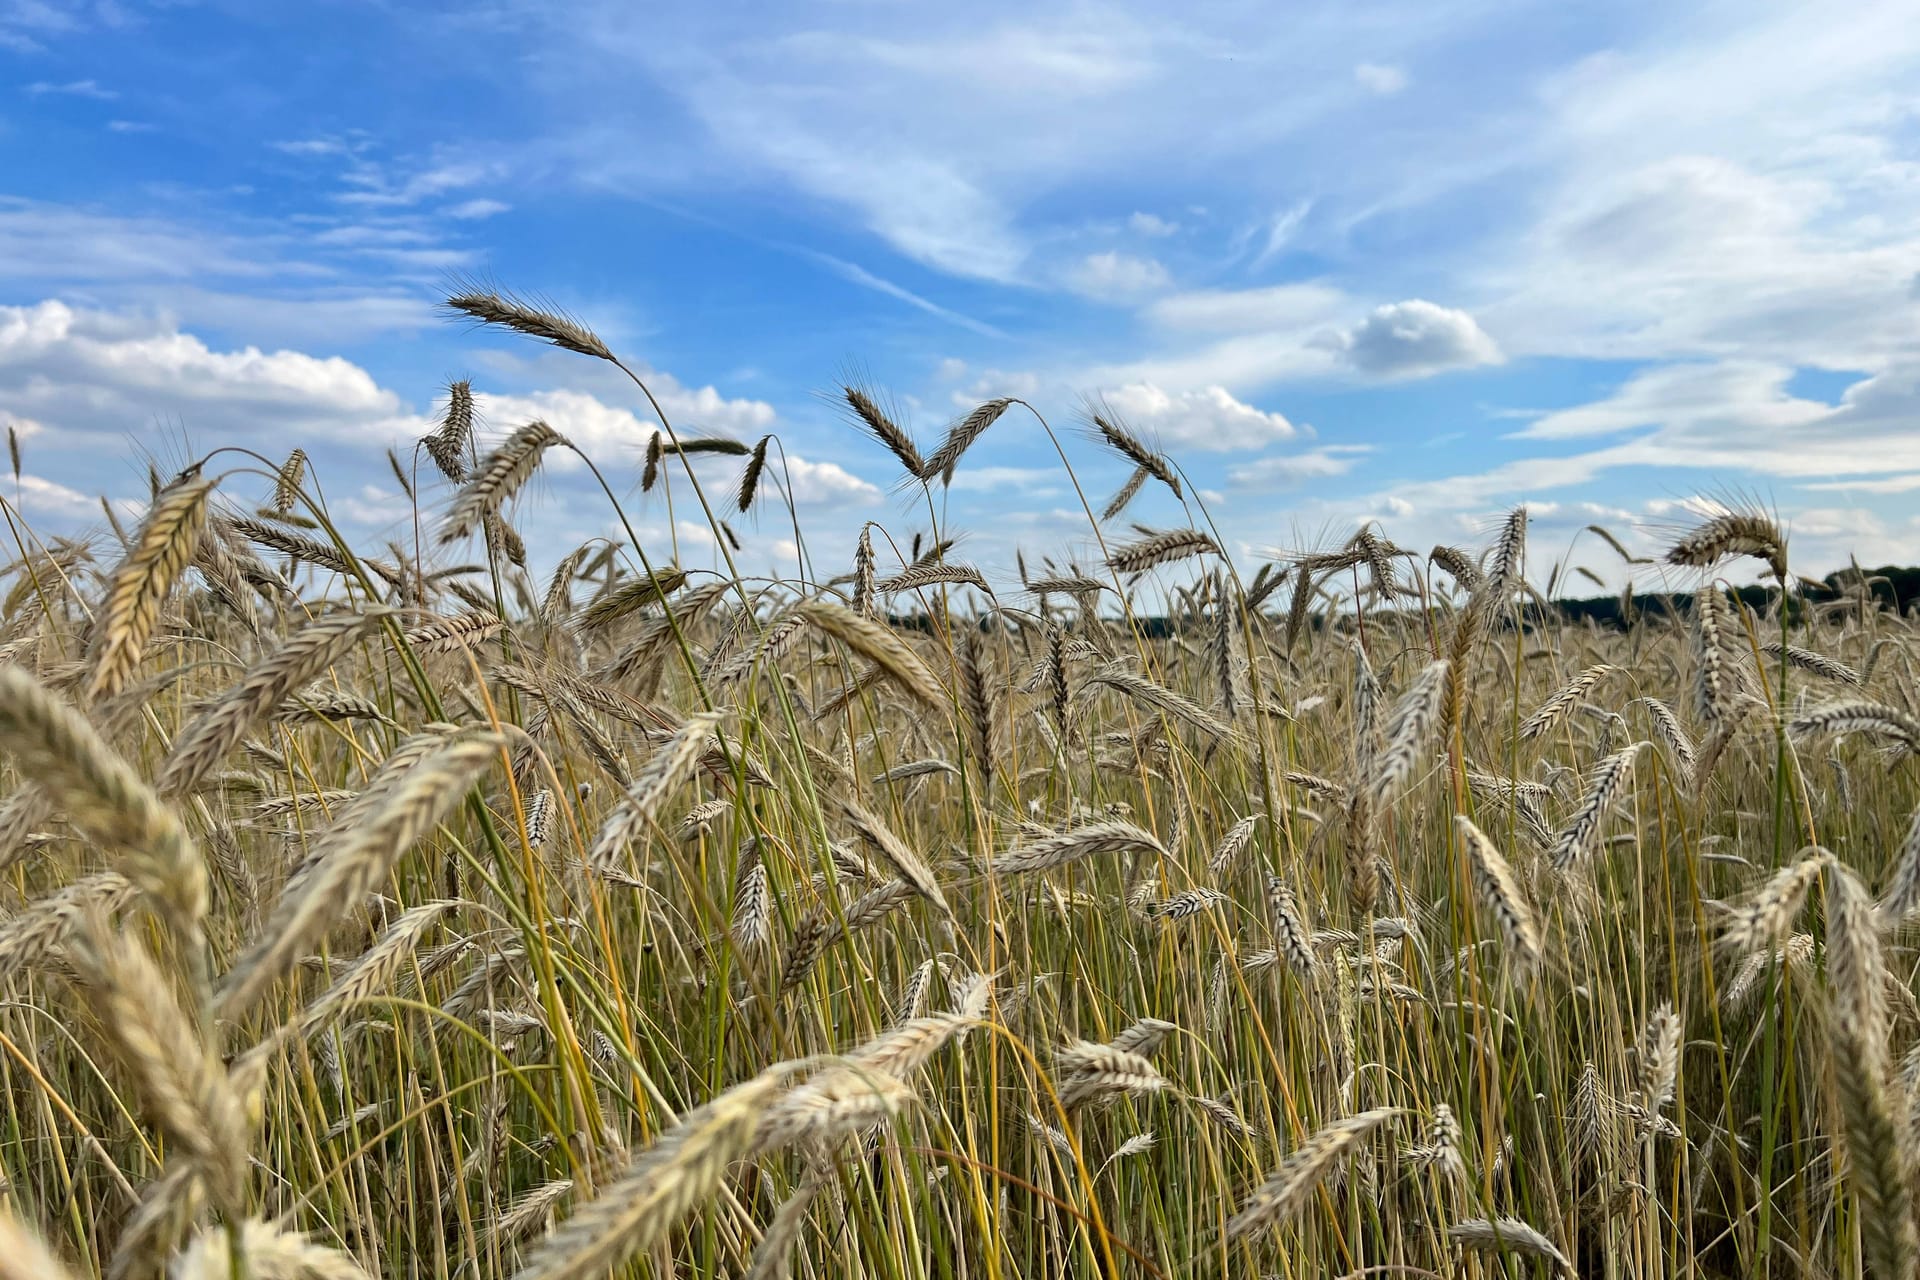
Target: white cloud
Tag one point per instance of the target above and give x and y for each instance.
(1281, 231)
(604, 429)
(824, 483)
(1152, 224)
(372, 184)
(1729, 398)
(112, 372)
(1289, 471)
(1887, 484)
(44, 497)
(313, 147)
(40, 241)
(1377, 78)
(1207, 418)
(1695, 255)
(1414, 338)
(72, 89)
(69, 376)
(1117, 277)
(22, 428)
(1033, 482)
(474, 209)
(614, 434)
(1275, 307)
(945, 131)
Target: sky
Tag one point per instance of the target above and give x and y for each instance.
(1411, 263)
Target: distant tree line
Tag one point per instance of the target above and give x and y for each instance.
(1891, 587)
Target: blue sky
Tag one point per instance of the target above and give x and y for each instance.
(1412, 263)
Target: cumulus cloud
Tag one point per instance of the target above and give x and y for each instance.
(825, 483)
(1117, 277)
(1414, 338)
(1289, 471)
(599, 427)
(45, 497)
(111, 372)
(1207, 418)
(70, 377)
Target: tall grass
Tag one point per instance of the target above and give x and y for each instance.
(402, 914)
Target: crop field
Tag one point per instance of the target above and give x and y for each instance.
(438, 909)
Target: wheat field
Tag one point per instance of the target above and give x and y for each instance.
(396, 912)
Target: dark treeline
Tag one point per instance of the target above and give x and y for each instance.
(1891, 587)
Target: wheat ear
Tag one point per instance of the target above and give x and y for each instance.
(161, 551)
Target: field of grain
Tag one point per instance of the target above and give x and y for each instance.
(394, 911)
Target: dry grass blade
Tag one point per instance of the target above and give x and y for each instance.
(161, 551)
(878, 644)
(388, 825)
